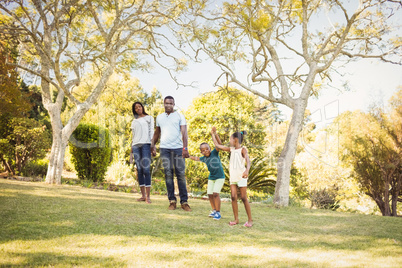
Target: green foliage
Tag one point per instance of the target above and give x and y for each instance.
(91, 152)
(260, 176)
(114, 109)
(36, 168)
(23, 133)
(22, 140)
(323, 198)
(230, 111)
(158, 186)
(120, 173)
(13, 101)
(374, 149)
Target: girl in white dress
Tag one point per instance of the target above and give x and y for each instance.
(239, 166)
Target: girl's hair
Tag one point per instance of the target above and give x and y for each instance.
(143, 109)
(239, 135)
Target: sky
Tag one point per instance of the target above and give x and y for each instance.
(368, 81)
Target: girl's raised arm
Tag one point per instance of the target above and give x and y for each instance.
(218, 144)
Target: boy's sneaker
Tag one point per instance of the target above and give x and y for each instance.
(212, 214)
(217, 216)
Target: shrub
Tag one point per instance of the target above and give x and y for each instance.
(36, 168)
(90, 149)
(323, 198)
(121, 174)
(259, 177)
(22, 140)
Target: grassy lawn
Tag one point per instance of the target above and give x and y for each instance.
(44, 225)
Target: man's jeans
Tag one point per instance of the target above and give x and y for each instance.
(173, 161)
(142, 158)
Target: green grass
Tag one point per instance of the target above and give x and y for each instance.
(64, 226)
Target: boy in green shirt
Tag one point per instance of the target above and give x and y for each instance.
(216, 177)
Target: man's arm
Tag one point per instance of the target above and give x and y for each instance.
(184, 136)
(155, 139)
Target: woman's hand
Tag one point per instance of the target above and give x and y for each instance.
(245, 174)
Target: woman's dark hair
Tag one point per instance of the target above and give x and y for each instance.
(239, 135)
(143, 109)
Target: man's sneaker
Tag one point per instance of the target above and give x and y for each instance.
(185, 206)
(217, 216)
(172, 205)
(212, 214)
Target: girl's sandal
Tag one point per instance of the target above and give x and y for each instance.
(232, 223)
(247, 224)
(141, 199)
(148, 201)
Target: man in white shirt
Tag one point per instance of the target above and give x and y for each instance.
(171, 128)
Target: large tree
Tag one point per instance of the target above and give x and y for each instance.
(372, 145)
(61, 40)
(284, 50)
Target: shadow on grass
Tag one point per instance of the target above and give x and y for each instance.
(27, 213)
(49, 259)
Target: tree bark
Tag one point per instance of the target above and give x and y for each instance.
(386, 195)
(55, 167)
(385, 210)
(61, 134)
(281, 196)
(7, 165)
(395, 194)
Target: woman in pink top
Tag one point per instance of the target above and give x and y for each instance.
(238, 171)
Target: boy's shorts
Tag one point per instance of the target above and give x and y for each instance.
(215, 186)
(240, 183)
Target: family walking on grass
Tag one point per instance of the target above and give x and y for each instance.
(171, 130)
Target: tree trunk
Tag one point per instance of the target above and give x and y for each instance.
(61, 136)
(387, 208)
(281, 196)
(395, 194)
(385, 211)
(7, 165)
(55, 167)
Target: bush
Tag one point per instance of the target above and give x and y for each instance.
(22, 140)
(323, 198)
(36, 168)
(260, 176)
(121, 174)
(90, 149)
